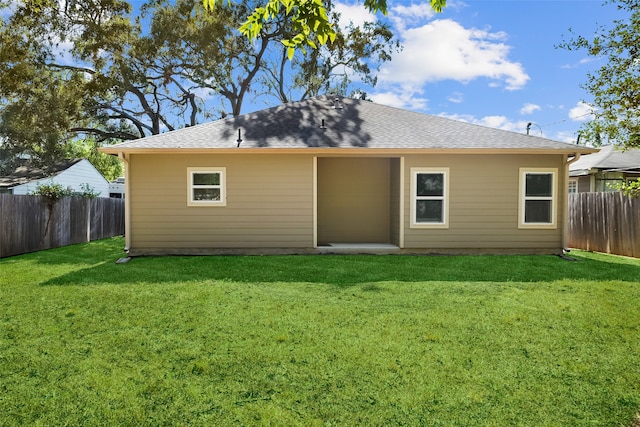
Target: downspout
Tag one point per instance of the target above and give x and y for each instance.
(565, 208)
(127, 202)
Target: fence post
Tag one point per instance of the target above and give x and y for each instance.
(27, 225)
(605, 222)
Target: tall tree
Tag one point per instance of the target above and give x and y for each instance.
(102, 71)
(233, 67)
(615, 86)
(356, 53)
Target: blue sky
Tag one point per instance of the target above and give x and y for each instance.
(490, 62)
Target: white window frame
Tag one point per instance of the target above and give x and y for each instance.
(415, 198)
(573, 185)
(222, 186)
(524, 198)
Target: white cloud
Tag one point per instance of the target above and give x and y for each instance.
(62, 51)
(497, 122)
(408, 100)
(445, 50)
(589, 60)
(405, 16)
(456, 98)
(355, 14)
(583, 61)
(529, 108)
(204, 93)
(581, 112)
(564, 136)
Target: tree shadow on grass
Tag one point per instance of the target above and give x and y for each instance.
(78, 254)
(345, 270)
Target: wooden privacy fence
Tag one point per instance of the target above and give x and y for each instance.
(27, 224)
(605, 222)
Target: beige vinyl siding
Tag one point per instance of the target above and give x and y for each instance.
(269, 203)
(353, 200)
(483, 203)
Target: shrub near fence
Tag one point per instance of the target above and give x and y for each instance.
(27, 224)
(605, 222)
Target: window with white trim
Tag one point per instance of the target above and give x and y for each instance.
(538, 198)
(206, 187)
(430, 197)
(573, 186)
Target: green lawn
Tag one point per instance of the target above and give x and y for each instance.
(318, 340)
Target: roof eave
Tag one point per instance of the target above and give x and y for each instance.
(343, 151)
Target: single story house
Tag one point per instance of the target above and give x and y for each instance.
(605, 170)
(330, 174)
(71, 174)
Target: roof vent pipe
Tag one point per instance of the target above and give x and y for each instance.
(322, 126)
(239, 140)
(337, 104)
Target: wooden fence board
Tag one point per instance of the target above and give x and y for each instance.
(28, 225)
(601, 222)
(605, 222)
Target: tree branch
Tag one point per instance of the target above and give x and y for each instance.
(71, 67)
(104, 135)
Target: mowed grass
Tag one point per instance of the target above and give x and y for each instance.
(318, 340)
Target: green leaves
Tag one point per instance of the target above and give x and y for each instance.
(630, 188)
(376, 6)
(309, 18)
(615, 86)
(438, 5)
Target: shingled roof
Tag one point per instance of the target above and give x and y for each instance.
(26, 172)
(610, 158)
(341, 123)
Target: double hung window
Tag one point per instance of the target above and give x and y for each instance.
(537, 198)
(206, 187)
(430, 198)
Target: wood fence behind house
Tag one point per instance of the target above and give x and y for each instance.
(605, 222)
(27, 224)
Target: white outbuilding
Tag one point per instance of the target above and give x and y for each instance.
(74, 175)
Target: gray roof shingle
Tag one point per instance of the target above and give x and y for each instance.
(610, 157)
(317, 123)
(26, 172)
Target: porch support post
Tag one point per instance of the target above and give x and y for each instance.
(315, 202)
(401, 225)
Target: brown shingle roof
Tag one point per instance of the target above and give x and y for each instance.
(317, 123)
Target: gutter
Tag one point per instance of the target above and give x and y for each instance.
(576, 157)
(342, 151)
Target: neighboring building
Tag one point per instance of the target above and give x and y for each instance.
(116, 188)
(71, 174)
(326, 174)
(605, 170)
